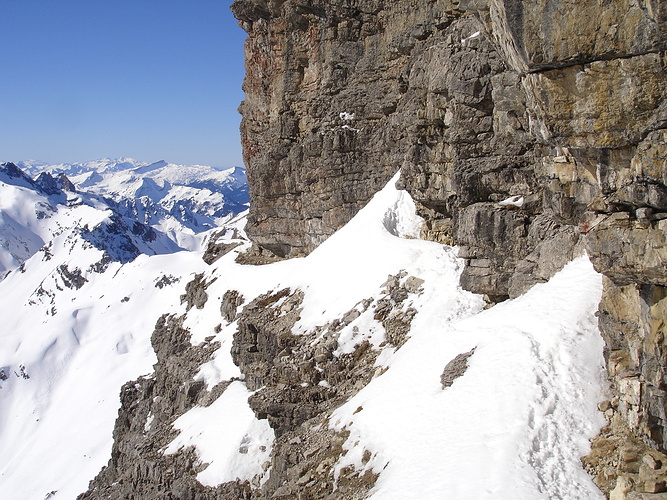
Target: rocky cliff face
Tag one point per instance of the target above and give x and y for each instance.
(527, 132)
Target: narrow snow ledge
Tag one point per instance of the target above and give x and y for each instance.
(474, 35)
(514, 426)
(512, 201)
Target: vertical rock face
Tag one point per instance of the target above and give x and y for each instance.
(527, 132)
(321, 127)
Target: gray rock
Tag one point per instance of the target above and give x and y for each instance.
(195, 292)
(231, 301)
(455, 368)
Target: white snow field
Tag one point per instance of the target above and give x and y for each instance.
(56, 426)
(75, 325)
(512, 427)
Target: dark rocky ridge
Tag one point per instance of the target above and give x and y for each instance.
(284, 370)
(558, 107)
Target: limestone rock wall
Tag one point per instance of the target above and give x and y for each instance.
(321, 131)
(527, 132)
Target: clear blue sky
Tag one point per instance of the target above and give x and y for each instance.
(148, 79)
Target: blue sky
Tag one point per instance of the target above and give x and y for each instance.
(148, 79)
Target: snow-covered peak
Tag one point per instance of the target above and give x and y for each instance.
(13, 175)
(35, 167)
(123, 177)
(85, 272)
(153, 166)
(515, 406)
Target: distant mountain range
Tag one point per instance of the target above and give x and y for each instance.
(130, 207)
(166, 196)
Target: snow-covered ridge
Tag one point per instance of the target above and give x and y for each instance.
(511, 424)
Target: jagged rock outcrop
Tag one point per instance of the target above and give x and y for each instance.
(50, 185)
(297, 384)
(139, 468)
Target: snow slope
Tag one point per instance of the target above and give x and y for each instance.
(65, 369)
(513, 426)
